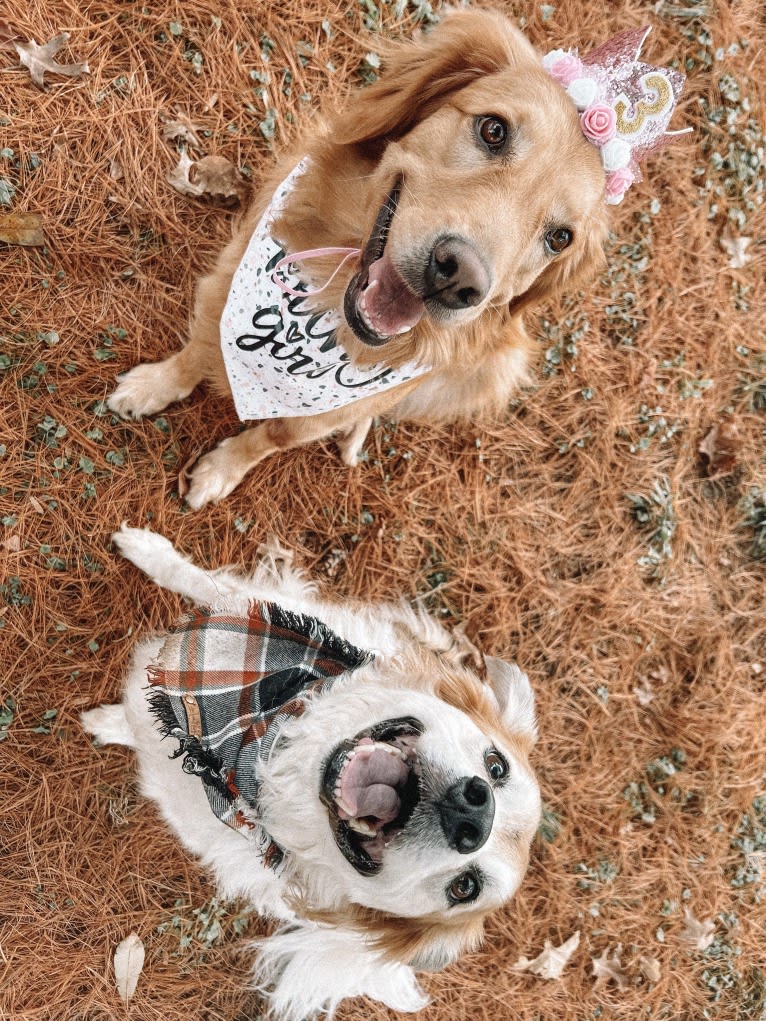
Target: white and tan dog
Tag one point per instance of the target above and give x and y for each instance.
(392, 810)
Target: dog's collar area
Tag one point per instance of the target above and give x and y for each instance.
(370, 786)
(378, 303)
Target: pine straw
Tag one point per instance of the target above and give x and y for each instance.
(520, 529)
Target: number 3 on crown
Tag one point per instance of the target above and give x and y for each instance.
(658, 97)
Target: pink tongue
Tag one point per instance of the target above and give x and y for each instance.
(368, 784)
(390, 305)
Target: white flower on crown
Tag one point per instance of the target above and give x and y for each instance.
(583, 92)
(550, 58)
(616, 154)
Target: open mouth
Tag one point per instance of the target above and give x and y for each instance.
(371, 787)
(378, 304)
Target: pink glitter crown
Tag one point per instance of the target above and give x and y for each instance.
(625, 106)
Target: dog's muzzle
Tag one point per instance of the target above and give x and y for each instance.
(371, 786)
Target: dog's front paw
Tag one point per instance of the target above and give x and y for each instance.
(144, 390)
(213, 477)
(142, 547)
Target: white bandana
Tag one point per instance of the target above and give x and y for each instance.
(282, 358)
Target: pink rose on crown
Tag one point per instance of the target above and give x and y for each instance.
(617, 183)
(598, 123)
(566, 69)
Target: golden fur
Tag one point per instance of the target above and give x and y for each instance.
(415, 125)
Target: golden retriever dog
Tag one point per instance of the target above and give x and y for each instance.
(340, 766)
(461, 189)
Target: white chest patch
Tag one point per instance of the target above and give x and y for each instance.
(282, 356)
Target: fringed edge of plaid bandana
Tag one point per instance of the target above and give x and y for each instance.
(348, 656)
(198, 759)
(240, 701)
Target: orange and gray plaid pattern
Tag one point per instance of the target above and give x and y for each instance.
(224, 684)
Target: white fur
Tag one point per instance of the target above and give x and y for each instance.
(306, 968)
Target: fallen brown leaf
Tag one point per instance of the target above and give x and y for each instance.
(214, 176)
(39, 59)
(699, 934)
(643, 691)
(650, 969)
(550, 963)
(115, 169)
(128, 963)
(606, 968)
(719, 448)
(736, 248)
(181, 129)
(22, 229)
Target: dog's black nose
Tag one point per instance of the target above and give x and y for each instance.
(467, 811)
(455, 275)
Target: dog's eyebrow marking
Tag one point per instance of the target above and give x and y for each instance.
(518, 747)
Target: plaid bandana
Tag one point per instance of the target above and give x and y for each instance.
(225, 682)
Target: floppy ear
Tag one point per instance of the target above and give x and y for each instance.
(419, 74)
(573, 271)
(429, 945)
(514, 695)
(443, 947)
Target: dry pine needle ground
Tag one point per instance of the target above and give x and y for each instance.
(583, 533)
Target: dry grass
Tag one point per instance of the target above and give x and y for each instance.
(523, 529)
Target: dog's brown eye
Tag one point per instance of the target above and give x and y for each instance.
(464, 889)
(558, 239)
(496, 765)
(493, 131)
